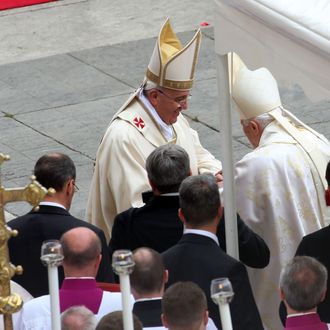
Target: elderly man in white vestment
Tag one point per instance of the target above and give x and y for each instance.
(151, 117)
(280, 184)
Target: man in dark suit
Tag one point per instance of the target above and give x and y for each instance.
(157, 225)
(197, 257)
(147, 285)
(50, 221)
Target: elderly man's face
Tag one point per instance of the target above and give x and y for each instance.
(169, 103)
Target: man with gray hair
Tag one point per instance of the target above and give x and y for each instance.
(151, 117)
(156, 224)
(78, 318)
(280, 184)
(303, 285)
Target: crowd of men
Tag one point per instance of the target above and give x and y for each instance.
(156, 191)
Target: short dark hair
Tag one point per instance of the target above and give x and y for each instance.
(199, 199)
(114, 321)
(327, 174)
(53, 170)
(303, 282)
(148, 274)
(83, 257)
(167, 166)
(184, 305)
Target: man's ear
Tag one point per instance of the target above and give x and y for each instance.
(254, 126)
(164, 321)
(69, 187)
(165, 276)
(323, 294)
(282, 296)
(220, 211)
(98, 261)
(153, 97)
(206, 318)
(181, 215)
(153, 187)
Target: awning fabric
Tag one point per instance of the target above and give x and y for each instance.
(289, 37)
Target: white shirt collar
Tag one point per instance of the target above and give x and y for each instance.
(201, 232)
(167, 130)
(170, 194)
(147, 299)
(53, 204)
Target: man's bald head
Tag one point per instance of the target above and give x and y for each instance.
(148, 276)
(81, 246)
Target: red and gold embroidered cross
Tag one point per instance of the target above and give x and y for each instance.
(138, 122)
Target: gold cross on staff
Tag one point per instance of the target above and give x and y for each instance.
(33, 194)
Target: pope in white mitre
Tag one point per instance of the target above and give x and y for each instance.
(280, 184)
(150, 118)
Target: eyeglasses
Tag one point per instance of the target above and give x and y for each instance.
(181, 100)
(76, 189)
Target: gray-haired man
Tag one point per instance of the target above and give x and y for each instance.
(156, 225)
(303, 285)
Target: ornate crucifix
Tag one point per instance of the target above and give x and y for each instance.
(33, 194)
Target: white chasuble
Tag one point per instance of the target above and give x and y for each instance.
(119, 176)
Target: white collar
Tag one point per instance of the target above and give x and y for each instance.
(167, 130)
(201, 232)
(53, 204)
(147, 299)
(170, 194)
(300, 314)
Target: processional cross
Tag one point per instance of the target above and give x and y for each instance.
(33, 194)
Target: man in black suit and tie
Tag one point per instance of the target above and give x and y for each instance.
(157, 225)
(148, 281)
(147, 285)
(50, 221)
(197, 257)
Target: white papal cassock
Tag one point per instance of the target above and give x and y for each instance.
(278, 198)
(280, 184)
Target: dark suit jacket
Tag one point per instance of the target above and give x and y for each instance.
(316, 245)
(49, 222)
(199, 259)
(157, 225)
(149, 312)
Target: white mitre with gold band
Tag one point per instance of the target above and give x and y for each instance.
(172, 66)
(256, 92)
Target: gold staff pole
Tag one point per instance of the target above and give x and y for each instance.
(33, 194)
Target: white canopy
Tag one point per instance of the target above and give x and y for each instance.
(289, 37)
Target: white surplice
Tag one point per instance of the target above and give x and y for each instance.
(280, 196)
